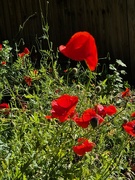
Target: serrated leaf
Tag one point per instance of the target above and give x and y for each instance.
(119, 62)
(119, 79)
(111, 66)
(123, 72)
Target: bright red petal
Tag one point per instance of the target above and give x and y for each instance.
(133, 114)
(62, 49)
(81, 46)
(85, 119)
(129, 127)
(66, 100)
(88, 145)
(81, 140)
(100, 110)
(4, 105)
(78, 46)
(0, 47)
(79, 150)
(80, 122)
(84, 147)
(64, 107)
(92, 59)
(21, 54)
(110, 110)
(26, 51)
(88, 114)
(125, 93)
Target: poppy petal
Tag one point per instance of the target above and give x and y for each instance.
(81, 46)
(129, 127)
(83, 146)
(64, 107)
(62, 49)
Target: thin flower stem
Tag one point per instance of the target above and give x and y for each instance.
(45, 26)
(90, 75)
(10, 89)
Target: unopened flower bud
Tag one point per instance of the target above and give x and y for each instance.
(98, 89)
(78, 86)
(74, 70)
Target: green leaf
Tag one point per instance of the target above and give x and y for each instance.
(24, 177)
(119, 62)
(29, 96)
(123, 72)
(111, 66)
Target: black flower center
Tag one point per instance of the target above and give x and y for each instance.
(94, 122)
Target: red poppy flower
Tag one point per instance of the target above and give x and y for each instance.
(83, 146)
(100, 110)
(21, 55)
(25, 51)
(28, 80)
(110, 110)
(3, 63)
(64, 107)
(4, 105)
(87, 117)
(48, 117)
(5, 108)
(104, 110)
(81, 46)
(133, 114)
(0, 47)
(125, 93)
(129, 127)
(65, 70)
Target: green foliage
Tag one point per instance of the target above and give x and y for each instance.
(113, 77)
(32, 147)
